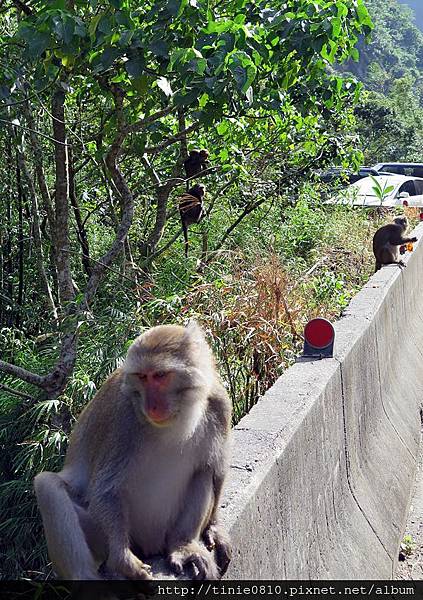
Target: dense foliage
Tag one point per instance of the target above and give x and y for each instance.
(390, 114)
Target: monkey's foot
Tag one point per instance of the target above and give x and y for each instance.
(105, 573)
(129, 566)
(217, 539)
(196, 560)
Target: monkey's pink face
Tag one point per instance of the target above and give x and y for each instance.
(157, 388)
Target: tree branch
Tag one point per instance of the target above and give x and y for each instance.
(10, 390)
(37, 237)
(125, 195)
(148, 120)
(21, 373)
(172, 140)
(64, 276)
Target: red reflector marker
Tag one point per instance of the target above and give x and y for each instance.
(421, 216)
(405, 202)
(319, 336)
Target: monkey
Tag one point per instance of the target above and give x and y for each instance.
(196, 162)
(387, 240)
(145, 466)
(191, 209)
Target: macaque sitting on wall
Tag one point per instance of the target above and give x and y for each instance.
(145, 466)
(387, 241)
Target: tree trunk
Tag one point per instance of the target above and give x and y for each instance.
(37, 238)
(37, 157)
(21, 246)
(66, 289)
(82, 234)
(9, 228)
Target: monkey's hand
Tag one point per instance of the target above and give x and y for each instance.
(128, 565)
(215, 538)
(196, 559)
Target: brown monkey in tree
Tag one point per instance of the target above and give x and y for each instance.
(191, 209)
(387, 241)
(196, 162)
(145, 467)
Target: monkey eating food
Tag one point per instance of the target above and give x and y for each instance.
(145, 467)
(387, 241)
(191, 209)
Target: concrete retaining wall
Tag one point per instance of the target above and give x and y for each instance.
(324, 464)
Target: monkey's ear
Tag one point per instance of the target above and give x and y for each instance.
(194, 332)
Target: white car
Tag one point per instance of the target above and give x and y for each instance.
(403, 191)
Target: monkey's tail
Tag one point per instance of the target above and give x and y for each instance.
(185, 230)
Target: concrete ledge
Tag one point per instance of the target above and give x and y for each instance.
(323, 466)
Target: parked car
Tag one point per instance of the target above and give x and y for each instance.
(347, 174)
(407, 191)
(408, 169)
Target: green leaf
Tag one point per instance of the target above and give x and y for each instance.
(68, 61)
(187, 98)
(160, 48)
(222, 128)
(135, 66)
(105, 25)
(239, 74)
(94, 24)
(38, 43)
(141, 84)
(125, 37)
(173, 7)
(109, 56)
(355, 54)
(363, 14)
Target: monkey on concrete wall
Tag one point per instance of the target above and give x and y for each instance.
(191, 209)
(145, 467)
(387, 241)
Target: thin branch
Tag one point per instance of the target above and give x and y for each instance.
(98, 262)
(125, 195)
(219, 193)
(21, 373)
(157, 253)
(172, 140)
(39, 170)
(10, 390)
(37, 236)
(44, 135)
(247, 210)
(148, 120)
(150, 169)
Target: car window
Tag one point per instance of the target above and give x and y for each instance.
(408, 170)
(418, 172)
(398, 170)
(419, 187)
(409, 187)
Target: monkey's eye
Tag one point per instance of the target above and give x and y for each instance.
(142, 376)
(159, 374)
